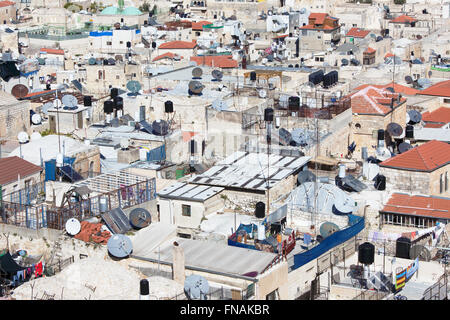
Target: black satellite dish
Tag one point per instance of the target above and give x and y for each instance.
(111, 61)
(305, 176)
(195, 87)
(394, 129)
(414, 116)
(140, 218)
(403, 147)
(217, 75)
(344, 62)
(197, 73)
(408, 80)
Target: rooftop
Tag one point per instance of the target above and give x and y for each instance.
(167, 55)
(189, 192)
(441, 89)
(373, 100)
(52, 51)
(427, 157)
(357, 33)
(418, 205)
(216, 61)
(12, 167)
(6, 4)
(178, 45)
(397, 88)
(246, 170)
(403, 19)
(439, 116)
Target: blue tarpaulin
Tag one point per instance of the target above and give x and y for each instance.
(50, 170)
(356, 225)
(157, 154)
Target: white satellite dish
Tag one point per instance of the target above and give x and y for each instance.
(73, 226)
(35, 136)
(23, 137)
(124, 143)
(57, 103)
(36, 119)
(262, 93)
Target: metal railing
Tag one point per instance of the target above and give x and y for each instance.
(439, 290)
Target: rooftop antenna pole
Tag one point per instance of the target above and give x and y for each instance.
(57, 116)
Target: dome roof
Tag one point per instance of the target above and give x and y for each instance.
(131, 11)
(112, 10)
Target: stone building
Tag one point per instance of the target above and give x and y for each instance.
(424, 169)
(7, 12)
(321, 31)
(17, 173)
(373, 108)
(14, 116)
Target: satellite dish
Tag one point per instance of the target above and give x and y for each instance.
(414, 116)
(424, 82)
(306, 176)
(111, 61)
(119, 246)
(57, 103)
(35, 136)
(217, 75)
(140, 218)
(343, 205)
(344, 62)
(160, 127)
(408, 119)
(383, 154)
(197, 73)
(196, 287)
(134, 86)
(403, 147)
(92, 61)
(36, 119)
(195, 87)
(408, 80)
(19, 91)
(327, 228)
(394, 129)
(69, 101)
(73, 226)
(390, 89)
(124, 143)
(45, 107)
(23, 137)
(262, 93)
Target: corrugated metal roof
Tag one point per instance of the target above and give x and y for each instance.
(11, 167)
(192, 192)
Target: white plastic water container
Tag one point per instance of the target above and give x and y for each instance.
(143, 154)
(59, 160)
(342, 171)
(261, 231)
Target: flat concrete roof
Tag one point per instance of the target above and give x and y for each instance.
(214, 256)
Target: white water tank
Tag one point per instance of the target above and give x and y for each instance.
(143, 154)
(261, 231)
(342, 171)
(277, 122)
(59, 160)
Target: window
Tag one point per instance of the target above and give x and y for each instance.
(272, 295)
(441, 183)
(184, 235)
(446, 181)
(446, 100)
(108, 43)
(121, 42)
(117, 77)
(185, 210)
(358, 126)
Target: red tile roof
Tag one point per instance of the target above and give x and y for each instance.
(357, 33)
(370, 50)
(433, 125)
(178, 45)
(397, 88)
(441, 116)
(426, 158)
(388, 55)
(403, 19)
(441, 89)
(418, 205)
(370, 99)
(167, 55)
(6, 4)
(32, 94)
(11, 167)
(318, 17)
(199, 25)
(52, 51)
(216, 61)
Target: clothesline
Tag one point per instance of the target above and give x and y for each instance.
(375, 236)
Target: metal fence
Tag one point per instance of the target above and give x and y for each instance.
(58, 266)
(46, 216)
(26, 195)
(372, 295)
(439, 290)
(214, 294)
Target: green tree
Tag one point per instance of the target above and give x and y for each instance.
(145, 7)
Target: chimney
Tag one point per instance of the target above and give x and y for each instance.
(178, 272)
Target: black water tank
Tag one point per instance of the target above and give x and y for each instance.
(48, 86)
(108, 106)
(380, 182)
(193, 146)
(118, 103)
(260, 210)
(144, 288)
(380, 134)
(366, 253)
(409, 132)
(268, 114)
(114, 92)
(168, 106)
(253, 76)
(294, 103)
(403, 245)
(87, 101)
(128, 44)
(153, 45)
